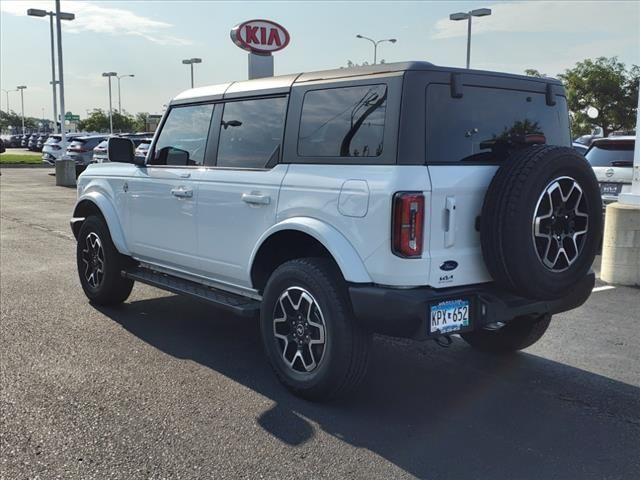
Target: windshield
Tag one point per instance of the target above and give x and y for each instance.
(603, 154)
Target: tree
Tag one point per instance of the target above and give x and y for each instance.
(607, 85)
(97, 121)
(140, 122)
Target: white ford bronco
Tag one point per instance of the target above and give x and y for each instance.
(403, 199)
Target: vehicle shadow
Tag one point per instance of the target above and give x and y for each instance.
(433, 413)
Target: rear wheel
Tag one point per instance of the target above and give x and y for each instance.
(308, 331)
(520, 333)
(100, 264)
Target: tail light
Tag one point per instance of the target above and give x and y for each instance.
(407, 224)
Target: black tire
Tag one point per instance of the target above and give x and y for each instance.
(342, 361)
(520, 333)
(514, 255)
(108, 288)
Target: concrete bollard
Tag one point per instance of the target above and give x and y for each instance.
(65, 173)
(621, 245)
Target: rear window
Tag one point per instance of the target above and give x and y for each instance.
(602, 155)
(477, 126)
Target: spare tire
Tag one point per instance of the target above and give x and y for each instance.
(541, 221)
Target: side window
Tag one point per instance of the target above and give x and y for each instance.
(183, 138)
(251, 133)
(343, 122)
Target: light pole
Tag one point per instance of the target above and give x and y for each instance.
(109, 75)
(7, 92)
(479, 12)
(375, 45)
(21, 88)
(190, 62)
(34, 12)
(119, 100)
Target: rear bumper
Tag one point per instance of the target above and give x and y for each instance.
(405, 312)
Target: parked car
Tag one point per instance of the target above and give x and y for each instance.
(51, 150)
(612, 161)
(100, 152)
(14, 141)
(2, 146)
(80, 150)
(24, 140)
(32, 142)
(353, 201)
(142, 149)
(580, 147)
(40, 141)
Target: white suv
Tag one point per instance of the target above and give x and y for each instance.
(404, 199)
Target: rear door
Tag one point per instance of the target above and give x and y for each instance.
(163, 195)
(238, 196)
(612, 163)
(462, 149)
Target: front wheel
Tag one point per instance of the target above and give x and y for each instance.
(520, 333)
(308, 330)
(100, 264)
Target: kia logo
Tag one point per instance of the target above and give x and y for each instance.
(449, 265)
(261, 37)
(609, 172)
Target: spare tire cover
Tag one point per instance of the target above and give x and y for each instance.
(541, 221)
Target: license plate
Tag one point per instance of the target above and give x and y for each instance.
(610, 188)
(450, 316)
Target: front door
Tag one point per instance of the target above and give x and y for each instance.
(238, 198)
(164, 194)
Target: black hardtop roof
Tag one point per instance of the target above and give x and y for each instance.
(283, 83)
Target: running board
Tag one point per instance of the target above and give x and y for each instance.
(238, 304)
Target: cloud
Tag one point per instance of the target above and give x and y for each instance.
(548, 17)
(91, 17)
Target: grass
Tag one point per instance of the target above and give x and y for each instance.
(8, 159)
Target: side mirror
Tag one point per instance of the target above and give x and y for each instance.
(172, 156)
(121, 150)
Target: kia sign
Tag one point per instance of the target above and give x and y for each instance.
(262, 37)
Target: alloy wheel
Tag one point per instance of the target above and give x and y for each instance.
(560, 224)
(93, 258)
(299, 330)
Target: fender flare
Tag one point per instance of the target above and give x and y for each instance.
(110, 216)
(345, 255)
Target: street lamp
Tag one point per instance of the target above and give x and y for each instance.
(375, 45)
(119, 77)
(479, 12)
(109, 75)
(21, 88)
(7, 92)
(190, 62)
(34, 12)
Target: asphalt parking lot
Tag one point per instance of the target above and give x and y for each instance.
(164, 387)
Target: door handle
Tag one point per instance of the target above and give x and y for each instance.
(181, 192)
(256, 198)
(450, 229)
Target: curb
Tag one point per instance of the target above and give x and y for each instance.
(24, 165)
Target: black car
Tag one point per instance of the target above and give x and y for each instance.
(14, 141)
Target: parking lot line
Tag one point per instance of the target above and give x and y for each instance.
(603, 288)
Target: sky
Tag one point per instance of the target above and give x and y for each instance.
(150, 38)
